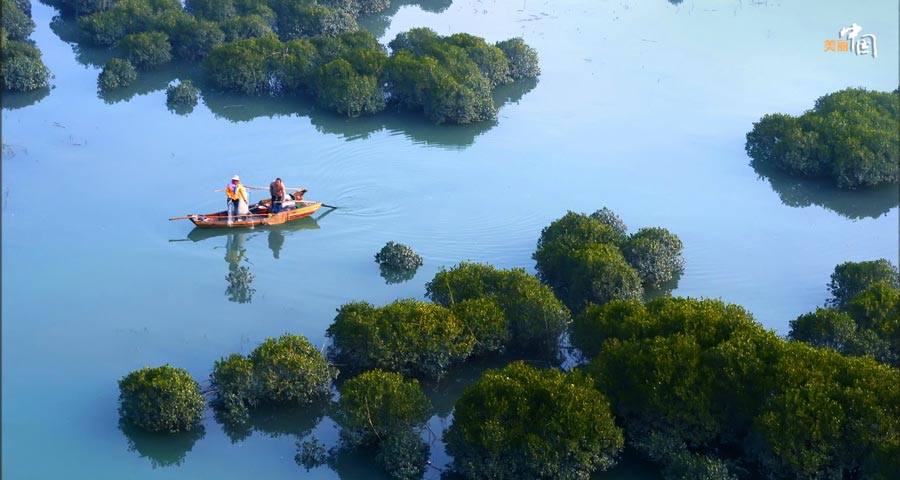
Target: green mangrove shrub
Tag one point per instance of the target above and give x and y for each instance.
(591, 259)
(161, 399)
(656, 255)
(704, 374)
(848, 138)
(397, 256)
(520, 422)
(17, 24)
(21, 67)
(852, 278)
(376, 405)
(523, 60)
(147, 50)
(287, 370)
(411, 337)
(117, 73)
(182, 95)
(863, 318)
(534, 317)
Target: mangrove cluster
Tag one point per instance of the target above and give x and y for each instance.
(695, 385)
(863, 315)
(397, 262)
(850, 138)
(306, 47)
(21, 67)
(590, 258)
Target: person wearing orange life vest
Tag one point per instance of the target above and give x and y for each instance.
(235, 193)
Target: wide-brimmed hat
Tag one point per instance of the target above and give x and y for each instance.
(236, 178)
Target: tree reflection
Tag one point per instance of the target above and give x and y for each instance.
(242, 108)
(16, 100)
(852, 204)
(274, 421)
(162, 449)
(239, 277)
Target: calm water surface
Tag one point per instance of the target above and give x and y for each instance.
(642, 107)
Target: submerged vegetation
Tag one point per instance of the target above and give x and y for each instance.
(21, 67)
(311, 48)
(397, 262)
(849, 138)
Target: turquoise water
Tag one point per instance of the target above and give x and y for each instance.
(641, 107)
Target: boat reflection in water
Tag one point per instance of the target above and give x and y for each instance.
(240, 278)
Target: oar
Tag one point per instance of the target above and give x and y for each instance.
(261, 188)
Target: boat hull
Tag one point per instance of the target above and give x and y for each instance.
(220, 219)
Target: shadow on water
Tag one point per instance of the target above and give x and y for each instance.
(275, 421)
(162, 449)
(16, 100)
(852, 204)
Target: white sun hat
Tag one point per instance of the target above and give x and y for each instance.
(236, 178)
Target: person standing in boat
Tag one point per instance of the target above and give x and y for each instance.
(236, 194)
(276, 190)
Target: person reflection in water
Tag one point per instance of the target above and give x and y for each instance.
(276, 241)
(239, 278)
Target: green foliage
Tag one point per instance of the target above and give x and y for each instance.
(377, 405)
(291, 370)
(243, 66)
(191, 38)
(117, 73)
(656, 255)
(182, 95)
(215, 10)
(520, 422)
(535, 317)
(338, 87)
(830, 415)
(696, 369)
(398, 255)
(491, 61)
(851, 278)
(298, 20)
(232, 378)
(403, 455)
(688, 377)
(590, 259)
(147, 50)
(487, 322)
(17, 24)
(523, 60)
(250, 26)
(611, 219)
(261, 66)
(579, 257)
(287, 370)
(849, 137)
(866, 324)
(126, 17)
(161, 399)
(439, 77)
(311, 454)
(22, 68)
(407, 336)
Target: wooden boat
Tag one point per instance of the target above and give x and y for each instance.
(259, 215)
